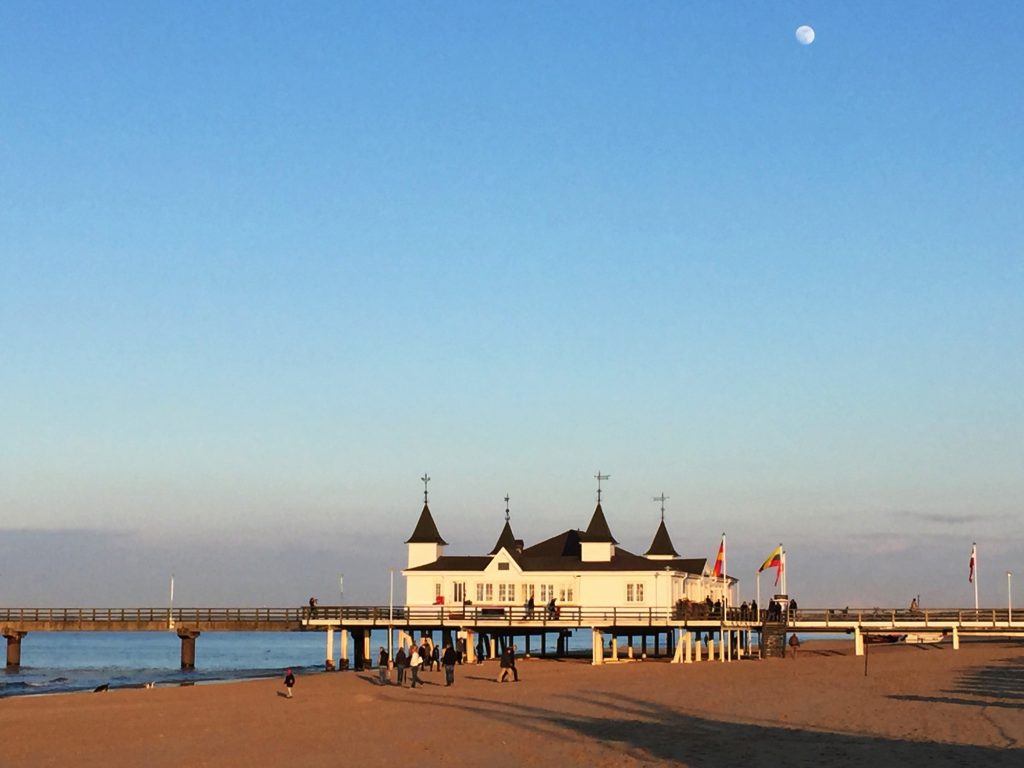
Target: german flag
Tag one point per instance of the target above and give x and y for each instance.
(720, 560)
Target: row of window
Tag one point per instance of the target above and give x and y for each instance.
(508, 592)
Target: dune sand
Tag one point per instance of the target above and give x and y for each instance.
(917, 706)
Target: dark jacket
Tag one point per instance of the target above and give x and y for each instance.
(289, 680)
(401, 660)
(382, 660)
(506, 659)
(450, 657)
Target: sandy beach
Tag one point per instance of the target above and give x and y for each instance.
(917, 705)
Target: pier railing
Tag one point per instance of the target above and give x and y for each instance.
(565, 616)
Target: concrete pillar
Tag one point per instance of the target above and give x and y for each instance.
(697, 648)
(858, 642)
(615, 648)
(711, 648)
(491, 648)
(343, 661)
(470, 647)
(629, 650)
(367, 651)
(329, 664)
(188, 648)
(722, 642)
(956, 640)
(687, 648)
(14, 649)
(599, 646)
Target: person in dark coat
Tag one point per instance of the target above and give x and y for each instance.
(449, 658)
(512, 660)
(435, 658)
(289, 682)
(401, 664)
(382, 666)
(507, 663)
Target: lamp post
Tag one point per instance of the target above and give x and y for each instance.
(1009, 597)
(391, 610)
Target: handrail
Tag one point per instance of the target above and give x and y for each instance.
(469, 614)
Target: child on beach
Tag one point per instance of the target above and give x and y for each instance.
(289, 683)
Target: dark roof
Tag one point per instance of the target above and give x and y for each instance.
(662, 544)
(563, 545)
(598, 529)
(456, 563)
(562, 553)
(507, 540)
(426, 530)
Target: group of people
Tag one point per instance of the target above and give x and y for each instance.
(550, 610)
(413, 661)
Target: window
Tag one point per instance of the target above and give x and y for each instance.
(458, 591)
(480, 593)
(634, 593)
(529, 591)
(488, 591)
(639, 593)
(565, 593)
(501, 593)
(511, 593)
(547, 592)
(629, 593)
(502, 566)
(437, 589)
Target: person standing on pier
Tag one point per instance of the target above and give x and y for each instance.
(289, 683)
(449, 658)
(382, 666)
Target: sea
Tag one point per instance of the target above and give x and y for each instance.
(67, 662)
(64, 662)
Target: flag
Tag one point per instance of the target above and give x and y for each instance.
(720, 560)
(974, 556)
(774, 560)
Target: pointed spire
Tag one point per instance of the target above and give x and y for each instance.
(507, 539)
(426, 529)
(598, 529)
(662, 544)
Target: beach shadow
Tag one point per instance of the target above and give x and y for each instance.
(282, 694)
(647, 732)
(964, 702)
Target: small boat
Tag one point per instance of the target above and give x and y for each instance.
(874, 639)
(924, 637)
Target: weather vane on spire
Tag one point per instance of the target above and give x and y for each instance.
(506, 507)
(600, 477)
(425, 479)
(663, 498)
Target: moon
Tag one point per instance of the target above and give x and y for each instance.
(805, 35)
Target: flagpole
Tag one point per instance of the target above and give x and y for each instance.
(725, 597)
(974, 556)
(784, 590)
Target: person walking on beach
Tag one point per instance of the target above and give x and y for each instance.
(415, 660)
(506, 665)
(382, 666)
(289, 683)
(512, 660)
(449, 658)
(435, 658)
(401, 662)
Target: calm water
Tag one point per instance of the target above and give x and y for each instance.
(58, 662)
(54, 662)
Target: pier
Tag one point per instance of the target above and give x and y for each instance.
(733, 633)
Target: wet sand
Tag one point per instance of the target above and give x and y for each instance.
(917, 706)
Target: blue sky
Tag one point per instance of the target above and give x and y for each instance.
(261, 266)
